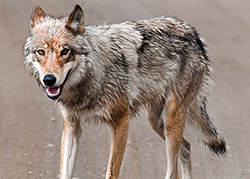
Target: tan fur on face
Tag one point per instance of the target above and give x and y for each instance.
(53, 42)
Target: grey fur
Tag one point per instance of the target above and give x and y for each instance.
(139, 63)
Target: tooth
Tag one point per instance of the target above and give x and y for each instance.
(58, 91)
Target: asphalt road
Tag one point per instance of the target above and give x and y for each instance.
(31, 126)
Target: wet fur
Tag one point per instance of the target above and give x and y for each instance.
(115, 70)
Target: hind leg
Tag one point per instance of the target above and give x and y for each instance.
(169, 122)
(154, 115)
(185, 159)
(154, 111)
(174, 119)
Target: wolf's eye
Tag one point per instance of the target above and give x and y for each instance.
(41, 52)
(65, 51)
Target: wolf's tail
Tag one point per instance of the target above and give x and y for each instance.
(210, 136)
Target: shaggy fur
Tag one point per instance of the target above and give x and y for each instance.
(107, 73)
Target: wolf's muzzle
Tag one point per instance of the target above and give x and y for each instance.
(53, 92)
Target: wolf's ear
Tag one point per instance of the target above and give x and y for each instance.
(37, 14)
(76, 21)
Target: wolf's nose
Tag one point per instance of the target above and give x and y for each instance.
(49, 80)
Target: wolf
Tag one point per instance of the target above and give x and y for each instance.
(107, 73)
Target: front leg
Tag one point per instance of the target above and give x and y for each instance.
(69, 144)
(119, 129)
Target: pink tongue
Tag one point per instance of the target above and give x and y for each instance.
(53, 90)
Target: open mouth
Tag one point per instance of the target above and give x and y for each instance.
(55, 92)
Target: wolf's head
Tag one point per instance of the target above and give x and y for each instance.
(55, 49)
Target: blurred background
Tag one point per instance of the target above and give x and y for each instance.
(31, 126)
